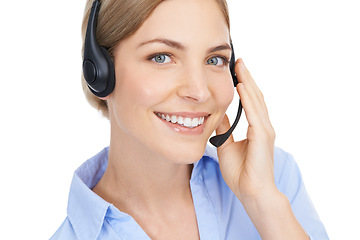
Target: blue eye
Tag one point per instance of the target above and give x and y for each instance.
(161, 58)
(217, 61)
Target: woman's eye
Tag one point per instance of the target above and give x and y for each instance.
(219, 61)
(161, 58)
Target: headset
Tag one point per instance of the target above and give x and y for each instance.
(99, 70)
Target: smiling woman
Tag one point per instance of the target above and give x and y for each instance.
(158, 178)
(190, 86)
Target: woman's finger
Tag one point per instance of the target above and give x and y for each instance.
(245, 77)
(249, 95)
(252, 98)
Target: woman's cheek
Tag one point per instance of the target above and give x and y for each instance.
(143, 86)
(224, 93)
(151, 89)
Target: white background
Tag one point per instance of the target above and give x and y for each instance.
(304, 55)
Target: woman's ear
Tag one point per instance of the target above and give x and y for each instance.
(105, 98)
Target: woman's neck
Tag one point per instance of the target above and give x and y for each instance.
(140, 180)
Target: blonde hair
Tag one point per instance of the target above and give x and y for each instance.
(118, 20)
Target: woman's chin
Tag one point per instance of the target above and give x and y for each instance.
(185, 153)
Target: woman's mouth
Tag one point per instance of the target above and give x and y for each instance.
(189, 122)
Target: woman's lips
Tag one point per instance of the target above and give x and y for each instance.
(189, 123)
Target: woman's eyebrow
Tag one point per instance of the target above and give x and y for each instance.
(168, 42)
(180, 46)
(224, 46)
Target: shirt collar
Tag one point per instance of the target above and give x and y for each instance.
(211, 152)
(86, 210)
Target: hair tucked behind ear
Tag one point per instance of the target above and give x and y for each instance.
(118, 20)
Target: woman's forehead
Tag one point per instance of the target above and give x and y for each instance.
(185, 21)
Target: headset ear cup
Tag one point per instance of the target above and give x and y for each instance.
(98, 67)
(105, 81)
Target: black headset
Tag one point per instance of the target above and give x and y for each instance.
(99, 70)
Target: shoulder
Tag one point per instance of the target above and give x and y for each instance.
(86, 210)
(65, 232)
(287, 174)
(283, 163)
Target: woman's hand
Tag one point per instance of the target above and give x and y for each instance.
(248, 166)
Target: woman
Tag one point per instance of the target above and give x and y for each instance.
(158, 179)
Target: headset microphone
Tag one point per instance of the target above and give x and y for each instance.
(99, 70)
(218, 140)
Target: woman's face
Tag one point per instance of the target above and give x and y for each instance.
(173, 83)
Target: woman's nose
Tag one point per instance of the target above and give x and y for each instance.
(194, 85)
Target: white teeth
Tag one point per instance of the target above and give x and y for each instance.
(202, 120)
(173, 119)
(183, 121)
(195, 122)
(187, 122)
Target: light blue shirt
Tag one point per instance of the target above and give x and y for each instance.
(220, 215)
